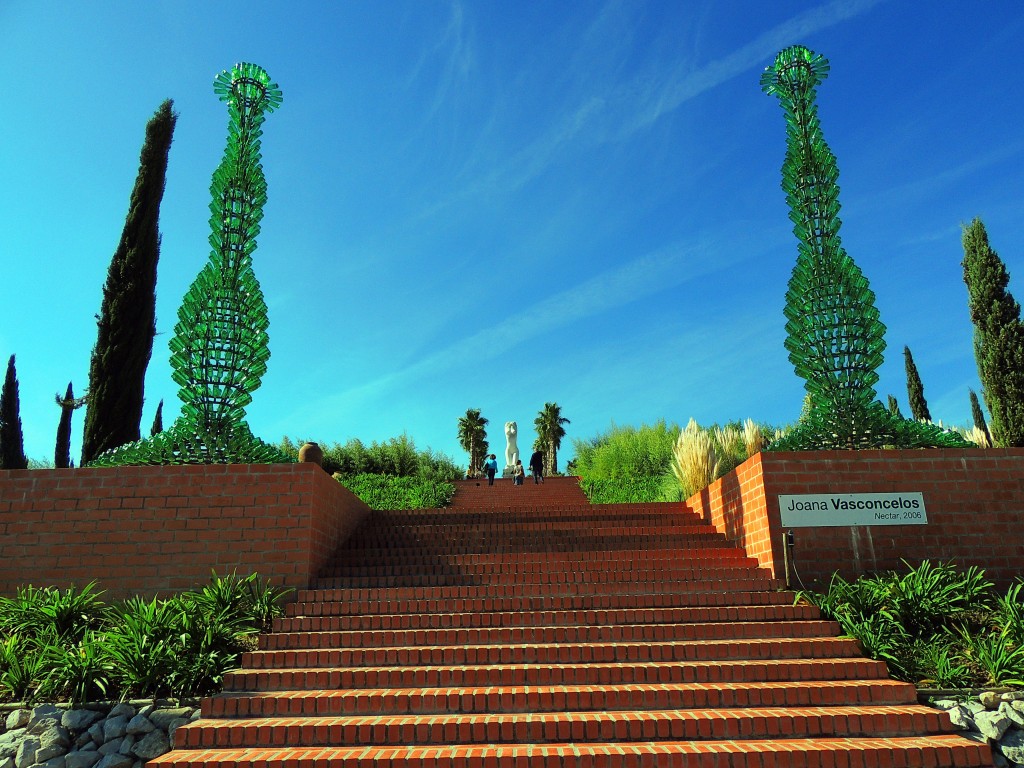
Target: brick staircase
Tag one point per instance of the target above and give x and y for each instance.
(525, 628)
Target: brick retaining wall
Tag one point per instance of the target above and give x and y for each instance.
(150, 530)
(974, 499)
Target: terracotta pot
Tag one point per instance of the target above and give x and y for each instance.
(311, 453)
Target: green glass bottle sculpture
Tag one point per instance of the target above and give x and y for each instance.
(220, 347)
(834, 336)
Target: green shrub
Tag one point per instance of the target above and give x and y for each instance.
(387, 492)
(398, 457)
(934, 625)
(69, 645)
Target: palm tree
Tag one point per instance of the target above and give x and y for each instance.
(549, 434)
(473, 437)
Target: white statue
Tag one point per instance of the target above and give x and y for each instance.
(511, 445)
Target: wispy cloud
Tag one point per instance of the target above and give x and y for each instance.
(615, 115)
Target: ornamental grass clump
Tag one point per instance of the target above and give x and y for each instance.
(695, 459)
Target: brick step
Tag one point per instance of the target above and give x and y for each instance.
(526, 618)
(676, 513)
(539, 543)
(505, 529)
(539, 727)
(326, 597)
(909, 752)
(556, 653)
(513, 568)
(346, 559)
(666, 573)
(557, 634)
(492, 604)
(561, 698)
(594, 673)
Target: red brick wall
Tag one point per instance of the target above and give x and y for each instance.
(974, 499)
(150, 530)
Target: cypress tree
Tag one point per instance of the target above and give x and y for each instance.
(915, 390)
(158, 420)
(998, 336)
(12, 441)
(68, 405)
(127, 319)
(979, 416)
(894, 407)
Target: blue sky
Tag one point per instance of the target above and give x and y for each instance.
(498, 204)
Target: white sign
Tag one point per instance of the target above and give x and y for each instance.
(812, 510)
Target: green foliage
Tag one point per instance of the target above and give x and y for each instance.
(550, 431)
(834, 336)
(934, 625)
(978, 416)
(623, 453)
(12, 441)
(472, 433)
(69, 645)
(398, 457)
(126, 323)
(998, 336)
(389, 492)
(915, 389)
(626, 490)
(220, 347)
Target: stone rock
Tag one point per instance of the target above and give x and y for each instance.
(138, 764)
(91, 746)
(79, 719)
(146, 709)
(946, 704)
(162, 717)
(961, 718)
(974, 706)
(44, 712)
(1012, 746)
(196, 715)
(18, 719)
(990, 699)
(999, 761)
(82, 759)
(127, 710)
(7, 762)
(1012, 696)
(152, 745)
(96, 732)
(9, 749)
(126, 745)
(1017, 718)
(1017, 705)
(109, 747)
(11, 736)
(139, 725)
(26, 754)
(992, 724)
(114, 727)
(115, 760)
(53, 742)
(55, 762)
(175, 725)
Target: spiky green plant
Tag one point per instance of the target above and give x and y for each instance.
(834, 337)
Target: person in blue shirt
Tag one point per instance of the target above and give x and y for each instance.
(491, 468)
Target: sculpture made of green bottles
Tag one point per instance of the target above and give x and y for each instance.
(834, 336)
(220, 347)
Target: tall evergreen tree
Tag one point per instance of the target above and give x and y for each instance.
(158, 419)
(894, 407)
(915, 389)
(549, 434)
(68, 405)
(473, 437)
(127, 319)
(979, 416)
(12, 441)
(998, 336)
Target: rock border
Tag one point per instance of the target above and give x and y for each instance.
(993, 716)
